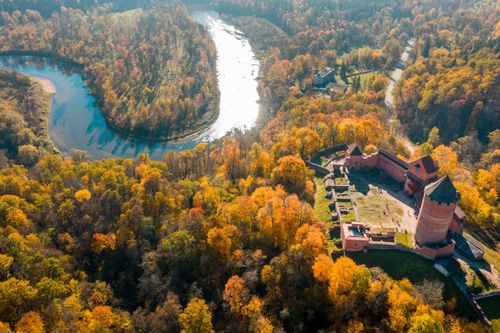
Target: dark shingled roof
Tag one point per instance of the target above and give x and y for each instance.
(442, 190)
(427, 163)
(469, 246)
(354, 150)
(393, 158)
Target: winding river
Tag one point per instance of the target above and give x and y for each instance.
(75, 122)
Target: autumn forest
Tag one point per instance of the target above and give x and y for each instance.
(227, 236)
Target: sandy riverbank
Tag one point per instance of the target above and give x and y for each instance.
(48, 86)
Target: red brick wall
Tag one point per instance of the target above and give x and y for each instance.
(412, 187)
(422, 174)
(392, 169)
(355, 244)
(435, 253)
(456, 226)
(355, 162)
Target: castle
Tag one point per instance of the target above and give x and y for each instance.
(438, 217)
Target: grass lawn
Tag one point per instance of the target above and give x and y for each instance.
(348, 217)
(378, 209)
(492, 256)
(491, 308)
(404, 239)
(321, 203)
(321, 208)
(398, 265)
(365, 78)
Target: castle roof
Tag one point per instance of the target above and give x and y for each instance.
(393, 158)
(354, 150)
(442, 190)
(427, 163)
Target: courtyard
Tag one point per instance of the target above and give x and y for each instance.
(381, 202)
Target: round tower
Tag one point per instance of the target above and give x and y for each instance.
(436, 212)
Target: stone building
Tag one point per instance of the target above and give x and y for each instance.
(324, 77)
(439, 216)
(420, 173)
(354, 237)
(434, 219)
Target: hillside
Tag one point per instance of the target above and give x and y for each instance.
(152, 71)
(24, 114)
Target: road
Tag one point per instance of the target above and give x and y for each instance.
(394, 77)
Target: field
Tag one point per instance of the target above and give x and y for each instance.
(365, 78)
(492, 256)
(398, 265)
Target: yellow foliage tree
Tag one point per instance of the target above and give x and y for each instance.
(83, 195)
(446, 159)
(30, 322)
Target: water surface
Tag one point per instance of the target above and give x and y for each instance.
(75, 121)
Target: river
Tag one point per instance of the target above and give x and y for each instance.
(75, 121)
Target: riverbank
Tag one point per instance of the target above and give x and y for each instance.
(48, 86)
(26, 109)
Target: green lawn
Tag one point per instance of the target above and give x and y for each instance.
(361, 179)
(321, 203)
(491, 308)
(492, 256)
(322, 210)
(398, 265)
(404, 239)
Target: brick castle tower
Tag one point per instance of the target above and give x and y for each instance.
(438, 206)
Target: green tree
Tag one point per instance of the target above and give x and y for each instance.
(343, 72)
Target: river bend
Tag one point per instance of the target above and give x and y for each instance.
(75, 121)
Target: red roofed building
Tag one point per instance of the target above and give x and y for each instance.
(439, 216)
(420, 173)
(354, 157)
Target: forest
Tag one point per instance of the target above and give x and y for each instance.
(456, 75)
(214, 239)
(24, 107)
(219, 238)
(151, 70)
(224, 237)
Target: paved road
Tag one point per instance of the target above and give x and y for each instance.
(394, 77)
